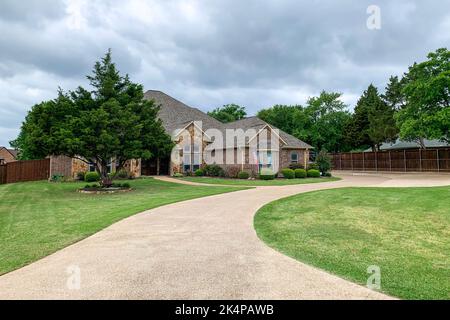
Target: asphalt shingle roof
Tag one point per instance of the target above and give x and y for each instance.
(177, 115)
(401, 144)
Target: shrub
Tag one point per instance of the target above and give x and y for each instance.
(300, 173)
(178, 175)
(266, 174)
(313, 166)
(126, 185)
(295, 166)
(327, 174)
(323, 161)
(199, 173)
(91, 177)
(214, 170)
(313, 173)
(80, 176)
(243, 175)
(57, 177)
(288, 173)
(232, 171)
(121, 174)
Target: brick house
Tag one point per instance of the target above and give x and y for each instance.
(7, 155)
(191, 130)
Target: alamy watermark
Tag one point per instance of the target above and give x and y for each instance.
(374, 280)
(74, 277)
(374, 19)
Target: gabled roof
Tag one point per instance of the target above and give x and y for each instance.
(258, 124)
(177, 115)
(13, 152)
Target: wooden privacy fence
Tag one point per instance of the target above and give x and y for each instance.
(20, 171)
(407, 160)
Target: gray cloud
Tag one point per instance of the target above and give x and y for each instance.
(209, 53)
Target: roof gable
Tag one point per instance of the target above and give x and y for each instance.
(176, 115)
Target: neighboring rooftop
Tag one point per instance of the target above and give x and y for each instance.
(13, 152)
(401, 144)
(176, 115)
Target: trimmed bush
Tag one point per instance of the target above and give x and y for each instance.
(199, 173)
(80, 176)
(313, 166)
(295, 166)
(288, 173)
(327, 174)
(243, 175)
(126, 185)
(266, 174)
(214, 170)
(91, 177)
(313, 173)
(300, 173)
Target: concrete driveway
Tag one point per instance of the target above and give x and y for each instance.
(199, 249)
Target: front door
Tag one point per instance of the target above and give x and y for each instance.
(149, 167)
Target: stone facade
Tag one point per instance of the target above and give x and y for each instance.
(78, 166)
(70, 167)
(281, 157)
(133, 167)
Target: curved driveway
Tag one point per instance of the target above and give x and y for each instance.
(198, 249)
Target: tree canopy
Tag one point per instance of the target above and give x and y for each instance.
(228, 113)
(321, 123)
(426, 90)
(112, 121)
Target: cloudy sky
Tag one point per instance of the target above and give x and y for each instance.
(208, 53)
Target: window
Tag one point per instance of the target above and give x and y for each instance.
(187, 158)
(265, 159)
(92, 167)
(294, 157)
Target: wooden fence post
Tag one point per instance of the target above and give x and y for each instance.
(376, 161)
(340, 160)
(390, 161)
(437, 158)
(364, 165)
(351, 157)
(404, 158)
(420, 160)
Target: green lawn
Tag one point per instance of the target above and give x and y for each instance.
(254, 183)
(38, 218)
(404, 231)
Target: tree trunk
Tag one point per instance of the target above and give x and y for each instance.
(105, 180)
(422, 143)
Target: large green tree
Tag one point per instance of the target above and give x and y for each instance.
(426, 113)
(372, 121)
(112, 121)
(393, 95)
(228, 113)
(321, 123)
(328, 118)
(287, 118)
